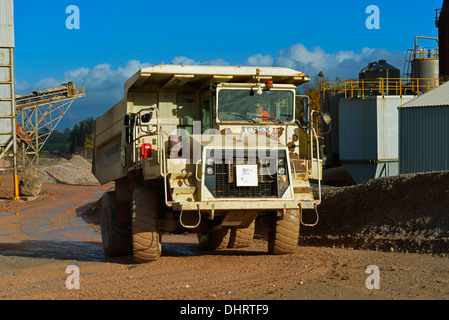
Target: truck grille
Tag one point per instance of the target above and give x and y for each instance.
(227, 184)
(223, 184)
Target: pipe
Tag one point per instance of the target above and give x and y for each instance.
(416, 43)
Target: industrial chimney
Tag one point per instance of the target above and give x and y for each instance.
(443, 34)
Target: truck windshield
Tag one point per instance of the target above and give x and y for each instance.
(245, 105)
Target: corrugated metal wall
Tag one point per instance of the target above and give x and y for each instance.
(387, 126)
(6, 24)
(357, 129)
(423, 139)
(368, 128)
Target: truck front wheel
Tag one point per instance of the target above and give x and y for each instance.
(145, 233)
(283, 233)
(115, 236)
(214, 240)
(242, 238)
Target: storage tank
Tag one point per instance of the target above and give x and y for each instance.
(425, 66)
(443, 34)
(426, 71)
(379, 70)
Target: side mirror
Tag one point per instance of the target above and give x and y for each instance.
(147, 117)
(128, 121)
(326, 118)
(306, 109)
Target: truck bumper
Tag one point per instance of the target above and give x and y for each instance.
(229, 205)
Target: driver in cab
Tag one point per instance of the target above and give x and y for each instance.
(259, 111)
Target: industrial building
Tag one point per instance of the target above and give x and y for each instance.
(365, 140)
(367, 112)
(369, 136)
(424, 132)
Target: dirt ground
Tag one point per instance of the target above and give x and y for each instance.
(383, 224)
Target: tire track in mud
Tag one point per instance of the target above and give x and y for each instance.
(229, 274)
(52, 227)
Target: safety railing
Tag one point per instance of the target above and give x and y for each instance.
(79, 91)
(383, 86)
(426, 53)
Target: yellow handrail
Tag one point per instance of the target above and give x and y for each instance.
(77, 90)
(354, 88)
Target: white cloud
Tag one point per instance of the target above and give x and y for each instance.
(184, 61)
(132, 67)
(104, 88)
(217, 62)
(105, 85)
(343, 64)
(260, 60)
(188, 62)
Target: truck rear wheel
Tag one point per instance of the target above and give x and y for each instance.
(145, 233)
(214, 240)
(283, 233)
(115, 236)
(242, 238)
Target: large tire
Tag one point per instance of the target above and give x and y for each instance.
(242, 238)
(115, 236)
(145, 234)
(283, 233)
(214, 240)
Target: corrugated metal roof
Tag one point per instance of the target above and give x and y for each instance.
(434, 98)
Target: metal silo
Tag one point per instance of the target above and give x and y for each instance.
(8, 138)
(375, 71)
(425, 65)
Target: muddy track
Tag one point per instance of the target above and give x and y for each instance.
(39, 239)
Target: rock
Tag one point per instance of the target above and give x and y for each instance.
(30, 186)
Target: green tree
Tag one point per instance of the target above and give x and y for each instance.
(313, 90)
(80, 133)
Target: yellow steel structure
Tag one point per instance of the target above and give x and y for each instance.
(38, 114)
(354, 88)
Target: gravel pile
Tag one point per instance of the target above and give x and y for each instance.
(412, 207)
(76, 171)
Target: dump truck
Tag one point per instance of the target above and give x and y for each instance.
(206, 150)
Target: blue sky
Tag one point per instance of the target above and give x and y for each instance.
(116, 38)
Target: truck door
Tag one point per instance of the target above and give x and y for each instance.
(206, 118)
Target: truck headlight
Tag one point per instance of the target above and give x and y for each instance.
(210, 162)
(210, 170)
(281, 170)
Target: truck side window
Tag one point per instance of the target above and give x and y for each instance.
(206, 115)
